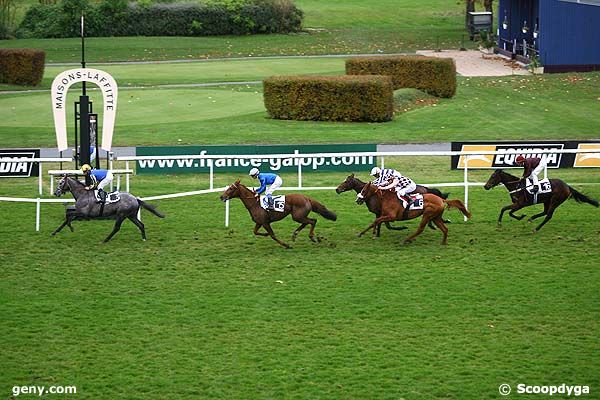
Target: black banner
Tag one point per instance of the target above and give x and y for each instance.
(16, 167)
(527, 149)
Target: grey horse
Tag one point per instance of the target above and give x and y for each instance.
(87, 207)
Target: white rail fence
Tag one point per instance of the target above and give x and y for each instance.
(255, 159)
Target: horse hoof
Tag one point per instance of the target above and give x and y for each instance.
(407, 241)
(312, 239)
(359, 235)
(534, 231)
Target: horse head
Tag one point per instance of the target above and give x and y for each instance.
(495, 180)
(62, 187)
(346, 185)
(367, 191)
(232, 191)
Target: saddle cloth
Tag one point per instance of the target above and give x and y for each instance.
(278, 202)
(417, 203)
(111, 197)
(545, 186)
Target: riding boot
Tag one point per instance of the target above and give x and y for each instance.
(409, 201)
(102, 194)
(270, 201)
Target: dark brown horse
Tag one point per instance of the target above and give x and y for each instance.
(392, 209)
(296, 204)
(373, 204)
(521, 198)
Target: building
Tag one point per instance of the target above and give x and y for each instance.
(562, 34)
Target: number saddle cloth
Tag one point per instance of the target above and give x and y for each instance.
(545, 186)
(417, 199)
(278, 202)
(111, 197)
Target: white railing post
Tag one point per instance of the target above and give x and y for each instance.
(37, 215)
(110, 166)
(227, 214)
(211, 174)
(466, 182)
(118, 182)
(382, 162)
(546, 171)
(41, 172)
(299, 170)
(51, 184)
(127, 177)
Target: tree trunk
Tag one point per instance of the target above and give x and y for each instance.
(470, 7)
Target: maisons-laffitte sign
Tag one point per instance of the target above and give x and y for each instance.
(107, 85)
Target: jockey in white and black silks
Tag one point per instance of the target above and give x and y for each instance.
(388, 178)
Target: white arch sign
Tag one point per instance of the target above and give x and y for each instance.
(61, 85)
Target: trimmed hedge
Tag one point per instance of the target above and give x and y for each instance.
(115, 18)
(436, 76)
(330, 98)
(22, 66)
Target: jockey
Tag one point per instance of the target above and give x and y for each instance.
(274, 181)
(533, 166)
(388, 178)
(100, 178)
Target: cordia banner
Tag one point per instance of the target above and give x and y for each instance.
(528, 149)
(14, 167)
(265, 164)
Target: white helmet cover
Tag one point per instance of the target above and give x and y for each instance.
(254, 172)
(375, 171)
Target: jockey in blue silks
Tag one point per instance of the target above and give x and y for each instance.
(274, 181)
(100, 178)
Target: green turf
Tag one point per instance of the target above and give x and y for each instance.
(536, 107)
(336, 27)
(204, 311)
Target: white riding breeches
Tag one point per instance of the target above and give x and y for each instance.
(106, 181)
(274, 186)
(534, 174)
(406, 190)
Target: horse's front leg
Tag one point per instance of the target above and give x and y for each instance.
(272, 234)
(513, 207)
(65, 223)
(257, 233)
(375, 223)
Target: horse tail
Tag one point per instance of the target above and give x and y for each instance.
(582, 198)
(458, 204)
(150, 208)
(321, 209)
(438, 193)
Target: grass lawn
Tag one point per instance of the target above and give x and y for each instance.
(349, 26)
(535, 107)
(203, 311)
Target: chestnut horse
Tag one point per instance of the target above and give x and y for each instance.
(392, 209)
(296, 204)
(520, 198)
(353, 183)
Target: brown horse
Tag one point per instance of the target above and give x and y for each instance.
(373, 205)
(520, 198)
(393, 210)
(296, 204)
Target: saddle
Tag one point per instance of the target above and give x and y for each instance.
(278, 203)
(545, 186)
(111, 197)
(417, 201)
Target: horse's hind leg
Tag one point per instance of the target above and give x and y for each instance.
(116, 228)
(420, 230)
(139, 224)
(554, 202)
(295, 233)
(540, 214)
(439, 222)
(303, 220)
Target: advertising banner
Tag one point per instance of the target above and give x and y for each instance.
(528, 149)
(15, 167)
(265, 164)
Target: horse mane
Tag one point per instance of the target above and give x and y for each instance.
(501, 171)
(77, 181)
